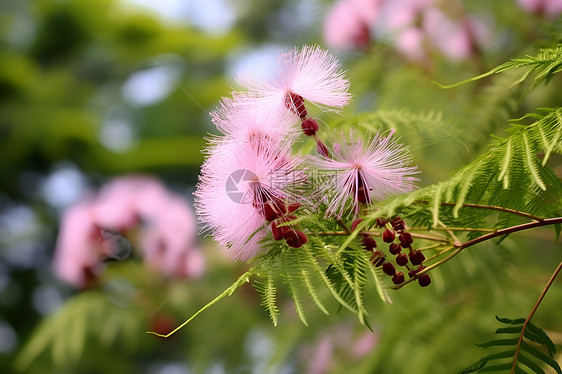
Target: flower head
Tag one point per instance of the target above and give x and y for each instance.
(242, 187)
(344, 28)
(308, 74)
(93, 231)
(364, 172)
(245, 118)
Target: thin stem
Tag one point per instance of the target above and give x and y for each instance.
(493, 207)
(447, 249)
(550, 281)
(510, 230)
(424, 248)
(450, 229)
(375, 233)
(450, 232)
(461, 246)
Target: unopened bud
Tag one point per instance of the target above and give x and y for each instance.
(309, 127)
(394, 248)
(322, 149)
(295, 103)
(398, 278)
(406, 239)
(388, 268)
(388, 236)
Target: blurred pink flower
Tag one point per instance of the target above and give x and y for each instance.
(452, 39)
(369, 171)
(90, 230)
(238, 182)
(550, 8)
(345, 28)
(319, 361)
(308, 74)
(76, 258)
(410, 42)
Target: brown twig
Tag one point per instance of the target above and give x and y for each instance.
(550, 281)
(461, 246)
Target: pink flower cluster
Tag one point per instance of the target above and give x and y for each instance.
(252, 185)
(140, 208)
(414, 27)
(548, 8)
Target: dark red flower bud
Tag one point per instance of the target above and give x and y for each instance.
(388, 236)
(279, 232)
(355, 223)
(296, 104)
(272, 209)
(394, 248)
(398, 227)
(398, 278)
(369, 243)
(292, 207)
(295, 238)
(322, 149)
(402, 259)
(380, 222)
(424, 280)
(363, 195)
(416, 257)
(309, 127)
(412, 273)
(406, 239)
(388, 268)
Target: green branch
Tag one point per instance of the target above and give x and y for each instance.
(528, 319)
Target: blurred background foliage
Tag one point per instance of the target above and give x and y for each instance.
(94, 89)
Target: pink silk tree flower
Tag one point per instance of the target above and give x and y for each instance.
(93, 231)
(308, 74)
(168, 238)
(410, 42)
(344, 28)
(452, 39)
(77, 260)
(247, 120)
(550, 8)
(240, 186)
(364, 172)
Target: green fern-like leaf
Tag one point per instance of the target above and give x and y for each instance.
(544, 65)
(528, 356)
(510, 175)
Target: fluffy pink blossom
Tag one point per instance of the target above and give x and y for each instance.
(237, 184)
(91, 231)
(344, 28)
(246, 119)
(364, 172)
(308, 74)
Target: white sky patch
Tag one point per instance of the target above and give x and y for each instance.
(64, 186)
(213, 16)
(8, 338)
(117, 135)
(262, 62)
(46, 299)
(149, 86)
